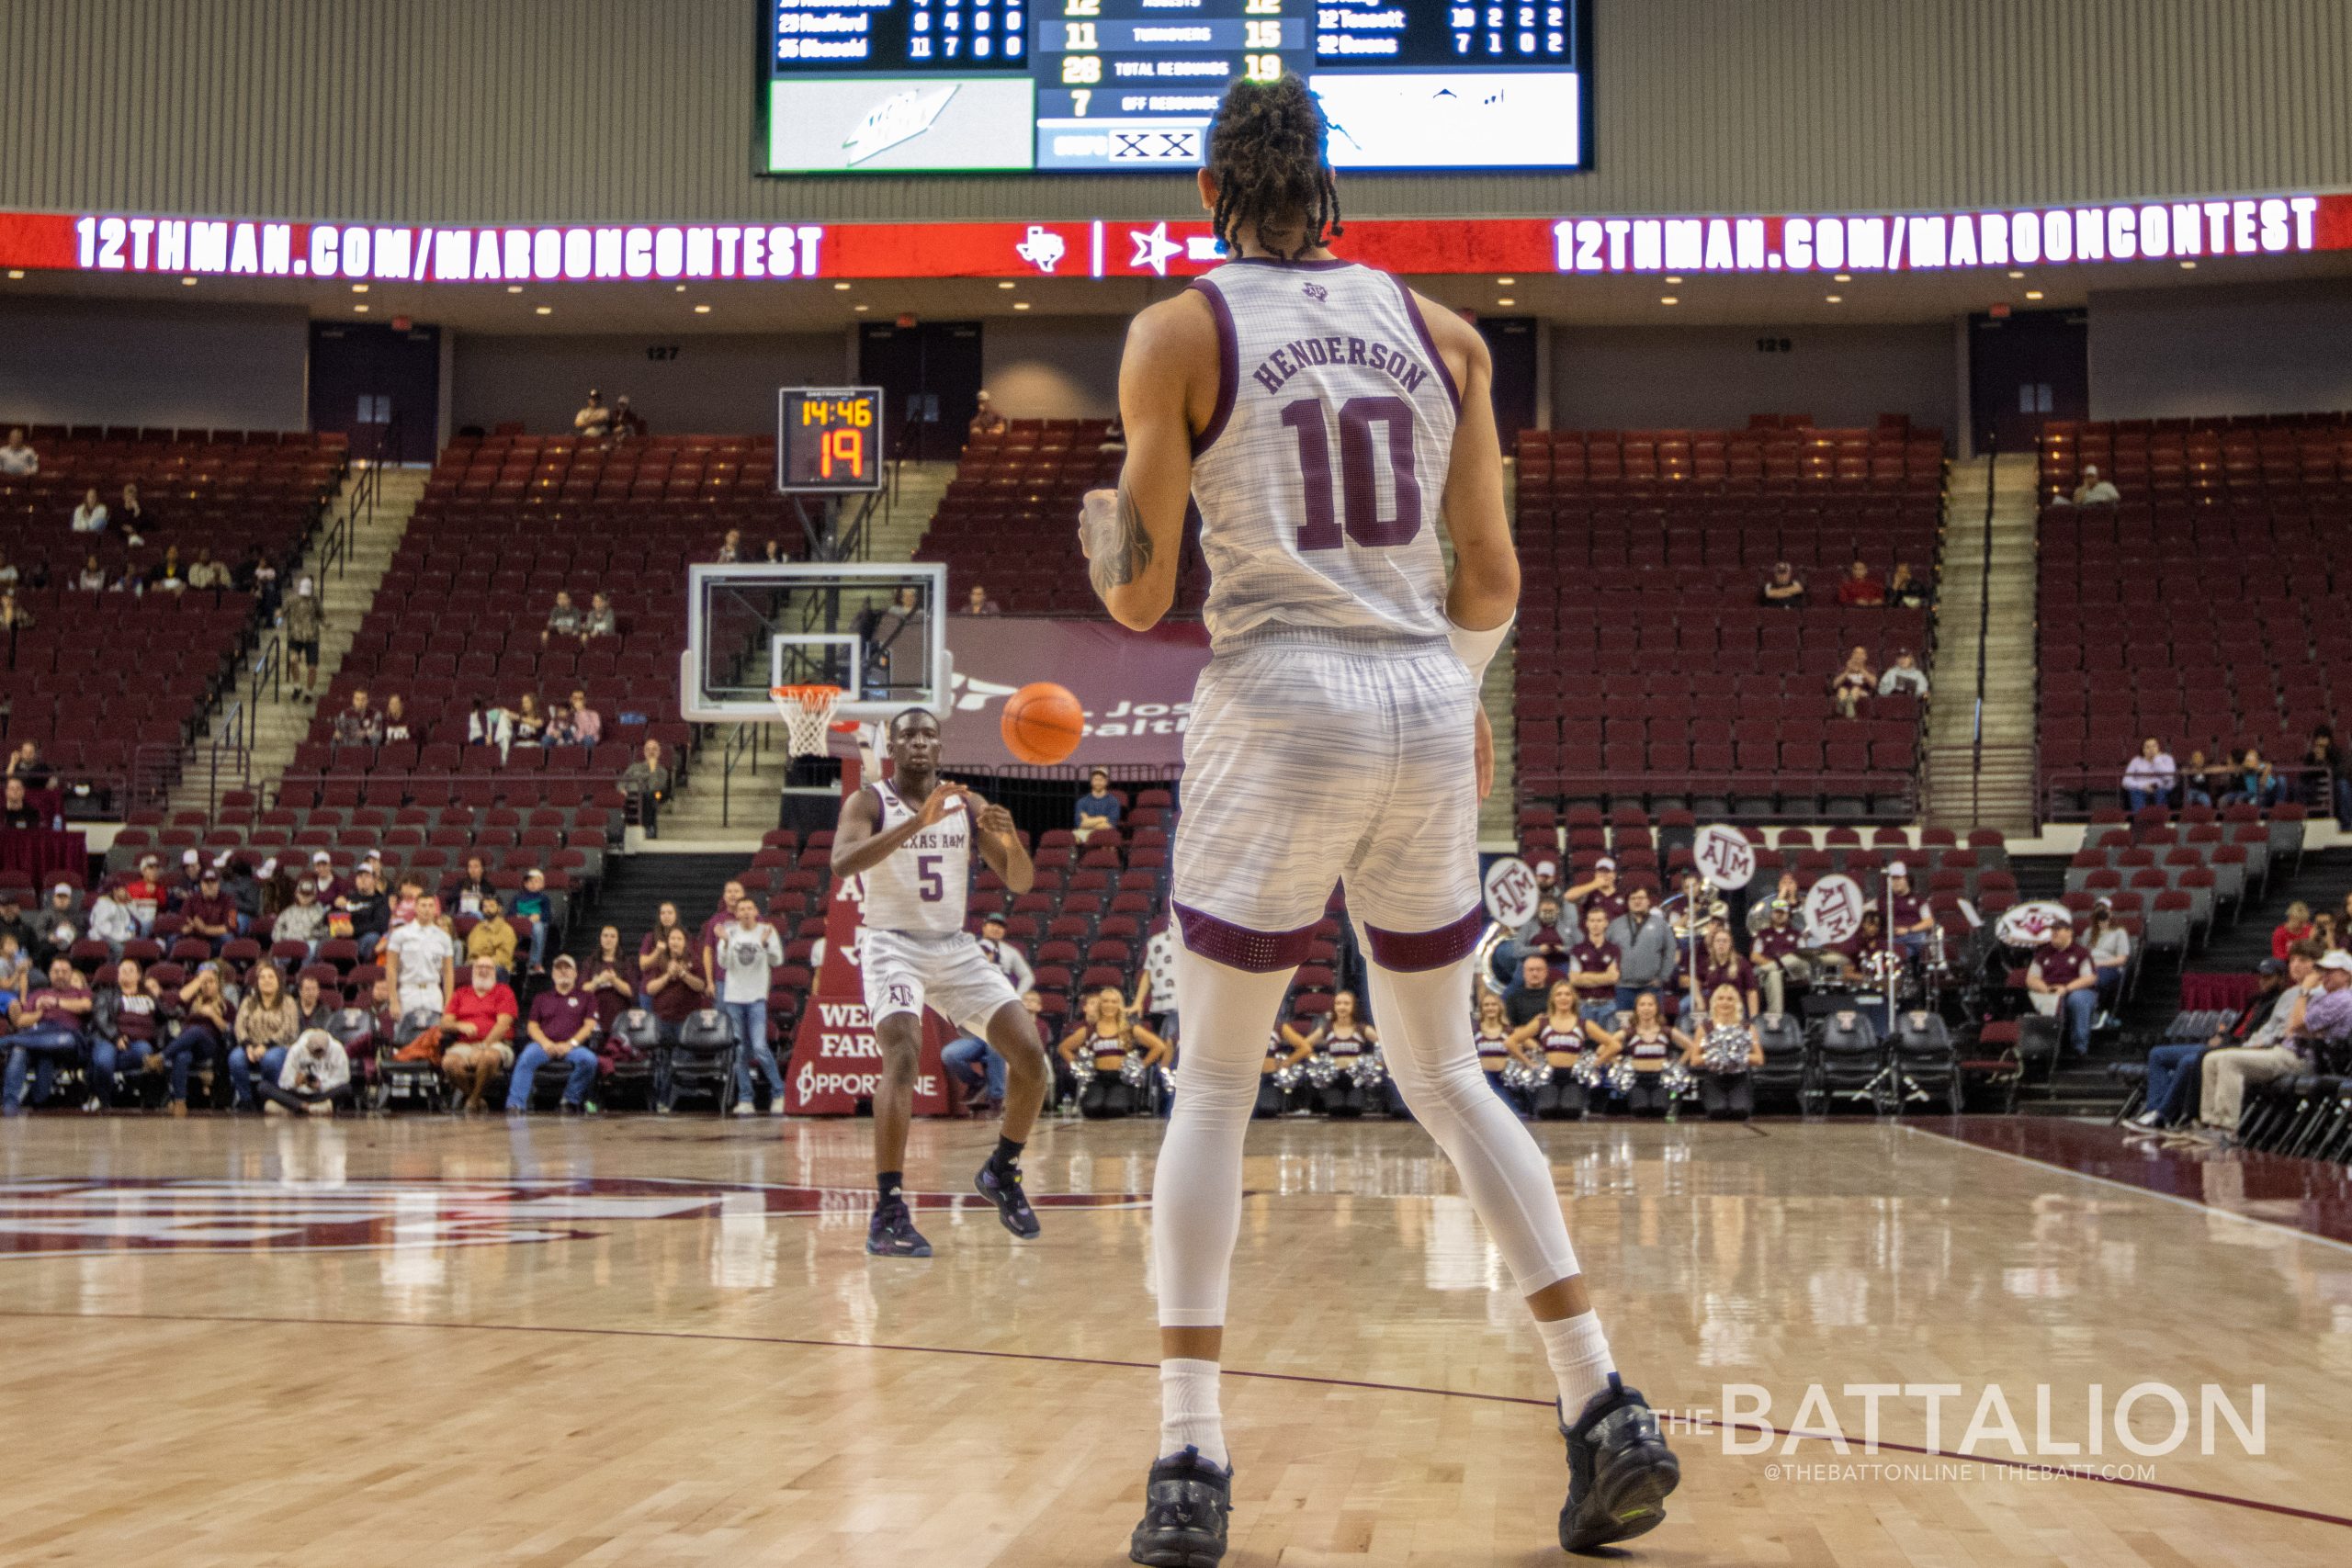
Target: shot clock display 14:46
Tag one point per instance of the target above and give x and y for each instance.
(828, 439)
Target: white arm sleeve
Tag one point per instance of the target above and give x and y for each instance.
(1477, 649)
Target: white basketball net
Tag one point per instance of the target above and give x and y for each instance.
(808, 714)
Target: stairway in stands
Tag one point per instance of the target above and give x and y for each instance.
(2003, 796)
(281, 723)
(706, 814)
(635, 886)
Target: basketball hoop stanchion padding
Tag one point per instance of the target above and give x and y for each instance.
(835, 1062)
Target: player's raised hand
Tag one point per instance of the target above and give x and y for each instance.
(1482, 749)
(935, 804)
(996, 821)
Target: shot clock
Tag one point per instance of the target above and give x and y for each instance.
(828, 439)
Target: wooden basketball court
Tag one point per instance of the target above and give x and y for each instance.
(642, 1341)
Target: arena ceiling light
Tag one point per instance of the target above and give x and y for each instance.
(1505, 282)
(517, 288)
(359, 310)
(2014, 272)
(1836, 298)
(1506, 302)
(547, 309)
(2184, 267)
(861, 310)
(1006, 284)
(2033, 293)
(187, 283)
(359, 289)
(1020, 304)
(1669, 299)
(841, 287)
(702, 310)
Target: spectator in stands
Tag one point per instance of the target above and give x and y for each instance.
(17, 460)
(169, 575)
(136, 519)
(647, 783)
(12, 919)
(189, 883)
(421, 960)
(48, 1030)
(1785, 589)
(204, 1031)
(2148, 778)
(594, 421)
(91, 516)
(628, 424)
(2111, 947)
(665, 920)
(2095, 490)
(561, 731)
(1721, 964)
(1098, 808)
(534, 905)
(58, 925)
(986, 421)
(244, 889)
(467, 894)
(268, 1021)
(1904, 675)
(2296, 927)
(749, 952)
(2199, 779)
(1853, 683)
(477, 1031)
(2061, 968)
(143, 893)
(304, 620)
(562, 1029)
(528, 723)
(126, 1031)
(92, 579)
(1546, 933)
(675, 986)
(719, 919)
(2253, 782)
(1594, 966)
(395, 721)
(731, 548)
(20, 811)
(1859, 589)
(612, 977)
(2315, 1019)
(303, 920)
(1644, 939)
(1904, 591)
(563, 619)
(26, 764)
(2175, 1076)
(14, 616)
(365, 909)
(360, 724)
(2326, 784)
(977, 603)
(311, 1003)
(2326, 930)
(1912, 921)
(586, 722)
(15, 970)
(111, 921)
(206, 572)
(492, 941)
(210, 914)
(313, 1080)
(1597, 891)
(8, 572)
(601, 620)
(1005, 955)
(1529, 995)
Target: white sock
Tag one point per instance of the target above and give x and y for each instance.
(1578, 1352)
(1188, 1410)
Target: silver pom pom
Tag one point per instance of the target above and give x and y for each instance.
(1371, 1070)
(1081, 1070)
(1321, 1068)
(1677, 1081)
(1622, 1076)
(1587, 1070)
(1288, 1077)
(1133, 1071)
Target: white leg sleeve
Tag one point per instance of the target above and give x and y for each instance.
(1423, 1018)
(1196, 1187)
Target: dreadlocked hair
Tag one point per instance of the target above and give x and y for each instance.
(1267, 149)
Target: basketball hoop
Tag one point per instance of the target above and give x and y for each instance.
(807, 712)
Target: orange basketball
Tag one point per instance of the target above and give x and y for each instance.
(1043, 723)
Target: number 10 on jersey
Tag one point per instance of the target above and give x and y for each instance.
(1354, 512)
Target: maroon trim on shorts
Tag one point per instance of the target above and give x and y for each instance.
(1408, 952)
(1228, 365)
(1238, 947)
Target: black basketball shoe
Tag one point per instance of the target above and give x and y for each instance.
(1184, 1508)
(1002, 1187)
(891, 1231)
(1620, 1470)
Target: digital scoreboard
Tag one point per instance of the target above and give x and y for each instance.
(828, 440)
(898, 87)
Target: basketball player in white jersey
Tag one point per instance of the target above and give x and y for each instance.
(911, 839)
(1329, 422)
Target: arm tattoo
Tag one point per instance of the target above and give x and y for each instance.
(1118, 547)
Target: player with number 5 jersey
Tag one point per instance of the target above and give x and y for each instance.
(910, 839)
(1329, 422)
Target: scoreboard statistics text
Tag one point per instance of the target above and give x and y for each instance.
(898, 87)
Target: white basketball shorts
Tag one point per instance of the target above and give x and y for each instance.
(903, 971)
(1317, 758)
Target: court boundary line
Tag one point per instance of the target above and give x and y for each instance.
(2193, 1205)
(1696, 1422)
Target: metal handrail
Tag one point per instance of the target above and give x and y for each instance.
(746, 736)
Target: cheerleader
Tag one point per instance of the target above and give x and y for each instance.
(1345, 1038)
(1492, 1040)
(1106, 1041)
(1720, 1056)
(1720, 964)
(1562, 1035)
(1645, 1045)
(1278, 1084)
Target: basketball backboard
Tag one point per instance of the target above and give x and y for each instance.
(873, 628)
